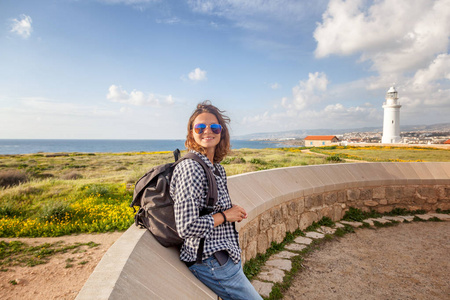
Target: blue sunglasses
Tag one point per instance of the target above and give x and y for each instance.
(200, 128)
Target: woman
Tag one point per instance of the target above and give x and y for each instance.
(221, 269)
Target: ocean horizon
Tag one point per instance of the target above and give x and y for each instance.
(30, 146)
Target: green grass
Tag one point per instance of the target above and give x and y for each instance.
(386, 153)
(15, 253)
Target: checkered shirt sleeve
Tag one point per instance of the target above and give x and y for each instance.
(189, 189)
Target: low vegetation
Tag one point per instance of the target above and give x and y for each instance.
(53, 194)
(64, 193)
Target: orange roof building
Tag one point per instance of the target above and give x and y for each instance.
(320, 140)
(447, 141)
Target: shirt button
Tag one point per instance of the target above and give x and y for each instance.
(212, 269)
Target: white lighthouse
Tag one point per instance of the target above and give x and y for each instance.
(391, 123)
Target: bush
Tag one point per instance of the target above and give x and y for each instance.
(72, 176)
(12, 177)
(334, 158)
(55, 211)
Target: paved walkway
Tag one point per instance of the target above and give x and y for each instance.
(277, 266)
(326, 155)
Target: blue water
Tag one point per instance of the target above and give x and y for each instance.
(113, 146)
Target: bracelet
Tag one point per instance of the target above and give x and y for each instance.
(224, 217)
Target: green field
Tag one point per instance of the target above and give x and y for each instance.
(387, 153)
(64, 193)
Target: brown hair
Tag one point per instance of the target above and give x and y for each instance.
(223, 148)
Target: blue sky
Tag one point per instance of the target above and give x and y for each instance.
(136, 69)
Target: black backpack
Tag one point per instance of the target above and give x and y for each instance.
(151, 194)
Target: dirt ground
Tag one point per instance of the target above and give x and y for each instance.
(53, 280)
(408, 261)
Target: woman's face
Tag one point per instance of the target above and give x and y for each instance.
(207, 139)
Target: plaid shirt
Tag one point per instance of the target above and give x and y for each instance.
(188, 188)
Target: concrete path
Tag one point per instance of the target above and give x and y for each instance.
(276, 267)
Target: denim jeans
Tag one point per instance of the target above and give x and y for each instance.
(227, 281)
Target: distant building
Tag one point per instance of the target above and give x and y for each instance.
(320, 140)
(391, 122)
(447, 141)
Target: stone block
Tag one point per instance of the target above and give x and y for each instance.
(383, 201)
(370, 203)
(427, 192)
(250, 251)
(263, 288)
(303, 240)
(393, 193)
(284, 255)
(274, 275)
(277, 215)
(379, 193)
(353, 195)
(279, 232)
(282, 264)
(293, 208)
(330, 198)
(365, 194)
(341, 196)
(292, 224)
(284, 211)
(314, 235)
(306, 219)
(295, 247)
(263, 243)
(266, 221)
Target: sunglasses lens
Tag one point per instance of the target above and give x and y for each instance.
(216, 128)
(199, 128)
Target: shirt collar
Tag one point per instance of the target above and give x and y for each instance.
(205, 159)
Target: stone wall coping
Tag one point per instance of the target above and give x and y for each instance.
(137, 266)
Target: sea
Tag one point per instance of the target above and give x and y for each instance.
(28, 146)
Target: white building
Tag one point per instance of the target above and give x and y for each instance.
(391, 123)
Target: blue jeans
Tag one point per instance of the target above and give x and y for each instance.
(227, 281)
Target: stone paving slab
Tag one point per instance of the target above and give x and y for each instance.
(354, 224)
(425, 217)
(315, 235)
(295, 247)
(273, 275)
(369, 221)
(379, 220)
(303, 240)
(408, 218)
(338, 225)
(283, 264)
(263, 288)
(443, 217)
(326, 230)
(285, 255)
(398, 219)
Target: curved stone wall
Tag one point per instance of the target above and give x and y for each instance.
(283, 200)
(277, 201)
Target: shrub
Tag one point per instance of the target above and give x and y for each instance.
(12, 177)
(96, 189)
(72, 176)
(334, 158)
(55, 211)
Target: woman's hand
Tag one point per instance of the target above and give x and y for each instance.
(234, 214)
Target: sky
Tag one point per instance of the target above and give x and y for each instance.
(136, 69)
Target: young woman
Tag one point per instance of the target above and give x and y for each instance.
(220, 269)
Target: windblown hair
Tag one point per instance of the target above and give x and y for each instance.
(223, 148)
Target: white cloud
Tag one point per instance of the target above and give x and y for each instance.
(197, 75)
(137, 98)
(395, 35)
(22, 27)
(275, 86)
(307, 92)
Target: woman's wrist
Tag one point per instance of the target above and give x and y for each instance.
(224, 216)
